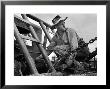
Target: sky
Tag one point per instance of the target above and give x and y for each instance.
(84, 24)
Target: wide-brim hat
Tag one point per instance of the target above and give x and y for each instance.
(57, 20)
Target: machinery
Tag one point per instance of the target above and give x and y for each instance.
(24, 55)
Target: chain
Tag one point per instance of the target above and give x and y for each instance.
(84, 45)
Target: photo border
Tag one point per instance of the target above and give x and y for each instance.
(4, 3)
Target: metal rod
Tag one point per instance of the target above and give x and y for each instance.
(44, 53)
(29, 38)
(45, 38)
(45, 31)
(29, 59)
(27, 22)
(38, 20)
(45, 42)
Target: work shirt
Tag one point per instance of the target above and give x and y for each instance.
(68, 39)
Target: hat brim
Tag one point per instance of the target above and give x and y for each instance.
(60, 21)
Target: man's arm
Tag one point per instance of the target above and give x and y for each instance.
(73, 39)
(49, 49)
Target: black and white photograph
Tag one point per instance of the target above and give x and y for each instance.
(55, 44)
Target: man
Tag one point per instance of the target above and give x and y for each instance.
(63, 40)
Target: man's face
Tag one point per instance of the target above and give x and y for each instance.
(61, 26)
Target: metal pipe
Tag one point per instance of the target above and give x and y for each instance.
(44, 53)
(29, 59)
(25, 21)
(45, 39)
(38, 20)
(45, 31)
(29, 38)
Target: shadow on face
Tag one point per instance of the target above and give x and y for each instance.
(61, 26)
